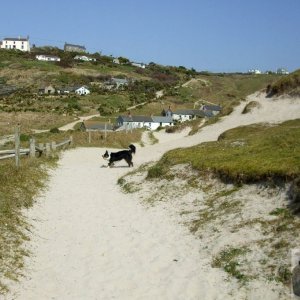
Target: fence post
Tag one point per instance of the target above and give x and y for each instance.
(53, 146)
(48, 149)
(32, 147)
(105, 131)
(90, 137)
(41, 146)
(71, 140)
(17, 145)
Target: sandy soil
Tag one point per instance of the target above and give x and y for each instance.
(92, 241)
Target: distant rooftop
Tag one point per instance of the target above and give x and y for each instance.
(16, 39)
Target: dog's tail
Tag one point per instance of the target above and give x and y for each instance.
(132, 148)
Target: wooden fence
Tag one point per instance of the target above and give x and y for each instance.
(34, 148)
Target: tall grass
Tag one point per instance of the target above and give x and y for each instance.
(18, 188)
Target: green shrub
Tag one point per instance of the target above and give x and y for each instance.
(156, 171)
(54, 130)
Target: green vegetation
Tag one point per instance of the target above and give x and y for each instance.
(231, 260)
(243, 154)
(18, 188)
(27, 75)
(250, 106)
(288, 84)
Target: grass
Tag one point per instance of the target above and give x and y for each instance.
(267, 153)
(31, 120)
(231, 260)
(250, 106)
(288, 84)
(18, 188)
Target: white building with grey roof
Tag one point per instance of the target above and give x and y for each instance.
(18, 43)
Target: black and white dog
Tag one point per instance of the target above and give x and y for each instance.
(116, 156)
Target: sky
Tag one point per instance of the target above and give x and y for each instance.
(207, 35)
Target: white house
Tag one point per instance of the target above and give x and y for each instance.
(43, 57)
(213, 109)
(116, 61)
(152, 123)
(282, 71)
(139, 65)
(84, 58)
(183, 115)
(254, 71)
(160, 121)
(16, 43)
(83, 90)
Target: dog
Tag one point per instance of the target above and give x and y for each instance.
(116, 156)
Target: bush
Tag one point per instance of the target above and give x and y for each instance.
(24, 137)
(156, 171)
(54, 130)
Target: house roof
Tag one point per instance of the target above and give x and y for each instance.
(96, 125)
(80, 86)
(160, 119)
(77, 46)
(191, 112)
(45, 55)
(16, 39)
(153, 119)
(212, 107)
(136, 118)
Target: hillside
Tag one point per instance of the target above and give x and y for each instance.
(21, 77)
(287, 85)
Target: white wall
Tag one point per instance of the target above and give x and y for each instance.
(16, 44)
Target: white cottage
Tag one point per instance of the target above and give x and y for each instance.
(151, 123)
(183, 115)
(16, 43)
(43, 57)
(83, 90)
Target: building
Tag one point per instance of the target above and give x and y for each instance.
(183, 115)
(84, 58)
(96, 126)
(47, 90)
(43, 57)
(116, 61)
(19, 43)
(139, 65)
(74, 48)
(254, 71)
(152, 123)
(213, 109)
(83, 90)
(282, 71)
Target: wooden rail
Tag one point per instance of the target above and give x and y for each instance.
(41, 148)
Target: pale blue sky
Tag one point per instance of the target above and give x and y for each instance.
(213, 35)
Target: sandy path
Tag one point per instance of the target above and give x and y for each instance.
(91, 241)
(81, 119)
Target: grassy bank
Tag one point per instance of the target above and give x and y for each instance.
(18, 188)
(243, 154)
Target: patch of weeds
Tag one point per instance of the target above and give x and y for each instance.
(130, 188)
(121, 181)
(127, 187)
(230, 260)
(152, 138)
(284, 275)
(157, 171)
(216, 208)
